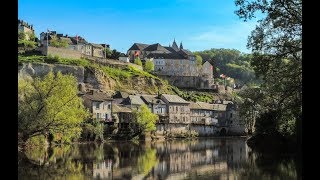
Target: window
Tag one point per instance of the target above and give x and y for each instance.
(107, 117)
(177, 108)
(230, 115)
(98, 115)
(109, 106)
(97, 105)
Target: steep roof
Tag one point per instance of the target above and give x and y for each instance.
(156, 48)
(175, 46)
(97, 96)
(134, 99)
(151, 99)
(138, 46)
(187, 52)
(174, 99)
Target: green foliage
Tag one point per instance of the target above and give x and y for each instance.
(145, 119)
(231, 62)
(92, 130)
(147, 161)
(198, 60)
(36, 141)
(108, 53)
(149, 66)
(26, 44)
(31, 36)
(115, 54)
(277, 58)
(138, 61)
(50, 106)
(56, 42)
(21, 35)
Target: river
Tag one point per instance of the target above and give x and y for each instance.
(204, 158)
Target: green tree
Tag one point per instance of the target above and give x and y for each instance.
(31, 36)
(145, 119)
(50, 106)
(138, 61)
(149, 66)
(21, 35)
(276, 44)
(56, 42)
(198, 60)
(108, 53)
(115, 54)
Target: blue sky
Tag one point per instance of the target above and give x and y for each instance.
(200, 25)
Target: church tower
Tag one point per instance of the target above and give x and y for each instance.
(174, 45)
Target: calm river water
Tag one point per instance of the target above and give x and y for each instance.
(216, 158)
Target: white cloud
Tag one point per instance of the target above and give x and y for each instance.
(228, 36)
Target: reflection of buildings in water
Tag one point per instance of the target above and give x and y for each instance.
(102, 169)
(216, 155)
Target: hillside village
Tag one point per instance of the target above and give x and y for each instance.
(174, 64)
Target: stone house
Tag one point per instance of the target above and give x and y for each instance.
(99, 105)
(203, 113)
(122, 115)
(124, 59)
(95, 50)
(220, 114)
(236, 125)
(175, 64)
(25, 28)
(177, 108)
(119, 96)
(156, 106)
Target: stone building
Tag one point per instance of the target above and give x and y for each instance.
(99, 105)
(178, 109)
(176, 64)
(133, 102)
(203, 113)
(25, 28)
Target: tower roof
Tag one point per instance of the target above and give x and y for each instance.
(174, 45)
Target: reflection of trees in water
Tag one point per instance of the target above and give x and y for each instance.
(55, 162)
(270, 166)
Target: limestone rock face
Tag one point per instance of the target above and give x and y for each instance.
(41, 69)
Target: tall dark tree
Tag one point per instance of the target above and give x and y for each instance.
(276, 44)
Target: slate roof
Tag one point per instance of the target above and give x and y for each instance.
(138, 46)
(119, 108)
(120, 94)
(151, 99)
(134, 99)
(174, 99)
(158, 51)
(97, 96)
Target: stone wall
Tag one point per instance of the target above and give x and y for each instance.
(42, 69)
(61, 52)
(201, 129)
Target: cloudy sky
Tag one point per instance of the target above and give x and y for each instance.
(200, 25)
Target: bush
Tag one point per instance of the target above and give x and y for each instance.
(149, 66)
(138, 61)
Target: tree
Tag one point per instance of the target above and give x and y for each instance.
(149, 66)
(108, 52)
(115, 54)
(138, 61)
(55, 42)
(198, 60)
(145, 119)
(50, 106)
(21, 35)
(276, 44)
